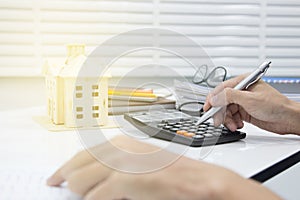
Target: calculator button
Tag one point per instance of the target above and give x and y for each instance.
(181, 132)
(201, 129)
(192, 130)
(186, 124)
(208, 135)
(226, 132)
(198, 136)
(200, 132)
(167, 127)
(210, 128)
(174, 129)
(178, 125)
(188, 134)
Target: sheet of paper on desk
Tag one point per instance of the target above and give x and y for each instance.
(30, 185)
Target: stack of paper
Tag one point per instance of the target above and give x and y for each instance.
(124, 100)
(120, 107)
(189, 92)
(132, 94)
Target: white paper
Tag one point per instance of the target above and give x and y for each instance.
(31, 185)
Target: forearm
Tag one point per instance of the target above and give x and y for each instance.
(294, 118)
(249, 190)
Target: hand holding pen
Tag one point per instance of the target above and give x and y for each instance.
(244, 84)
(260, 104)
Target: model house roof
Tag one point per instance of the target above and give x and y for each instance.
(76, 65)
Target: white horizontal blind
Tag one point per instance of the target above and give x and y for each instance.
(228, 30)
(282, 44)
(17, 37)
(237, 34)
(35, 30)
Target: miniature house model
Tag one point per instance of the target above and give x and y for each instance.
(73, 99)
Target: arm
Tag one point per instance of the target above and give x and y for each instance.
(260, 105)
(180, 180)
(295, 117)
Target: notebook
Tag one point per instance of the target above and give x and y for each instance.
(31, 185)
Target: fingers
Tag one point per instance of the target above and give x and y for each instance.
(108, 190)
(219, 117)
(237, 119)
(231, 83)
(84, 179)
(230, 117)
(102, 191)
(207, 104)
(79, 160)
(235, 111)
(230, 96)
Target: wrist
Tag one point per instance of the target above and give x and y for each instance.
(294, 117)
(249, 189)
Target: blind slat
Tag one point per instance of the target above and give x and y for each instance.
(99, 6)
(215, 31)
(234, 33)
(94, 17)
(209, 9)
(16, 15)
(16, 38)
(210, 20)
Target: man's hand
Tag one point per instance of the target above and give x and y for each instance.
(260, 105)
(182, 180)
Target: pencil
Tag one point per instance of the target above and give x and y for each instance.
(136, 94)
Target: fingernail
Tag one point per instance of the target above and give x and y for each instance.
(232, 127)
(51, 181)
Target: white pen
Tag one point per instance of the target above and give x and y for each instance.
(244, 84)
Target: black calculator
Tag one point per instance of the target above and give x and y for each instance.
(176, 126)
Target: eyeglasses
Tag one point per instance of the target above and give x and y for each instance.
(212, 79)
(193, 108)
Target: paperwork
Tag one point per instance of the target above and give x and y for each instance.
(190, 92)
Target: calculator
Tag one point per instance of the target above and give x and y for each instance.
(179, 127)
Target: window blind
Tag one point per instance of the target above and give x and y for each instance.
(237, 34)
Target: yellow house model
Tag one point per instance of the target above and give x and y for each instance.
(73, 99)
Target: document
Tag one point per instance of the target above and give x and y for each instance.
(31, 185)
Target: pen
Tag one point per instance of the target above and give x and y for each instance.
(244, 84)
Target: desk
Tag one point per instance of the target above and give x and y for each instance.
(26, 144)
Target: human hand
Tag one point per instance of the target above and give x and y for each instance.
(181, 180)
(260, 105)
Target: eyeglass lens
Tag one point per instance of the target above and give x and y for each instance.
(216, 76)
(192, 108)
(200, 74)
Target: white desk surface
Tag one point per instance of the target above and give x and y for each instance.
(26, 144)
